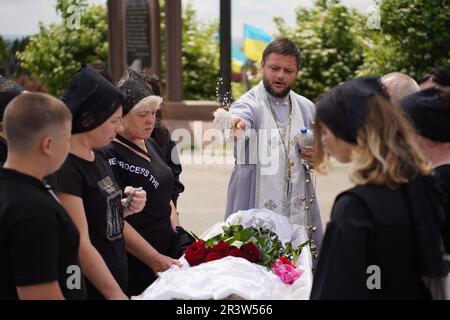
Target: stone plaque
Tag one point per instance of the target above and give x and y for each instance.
(138, 34)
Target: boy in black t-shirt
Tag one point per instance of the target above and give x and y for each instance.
(38, 240)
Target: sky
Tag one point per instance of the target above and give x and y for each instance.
(21, 17)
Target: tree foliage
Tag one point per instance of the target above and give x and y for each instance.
(330, 38)
(335, 42)
(57, 52)
(414, 36)
(9, 64)
(201, 54)
(2, 51)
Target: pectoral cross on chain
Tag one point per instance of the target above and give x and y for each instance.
(289, 175)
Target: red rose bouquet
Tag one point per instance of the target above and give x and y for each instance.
(257, 245)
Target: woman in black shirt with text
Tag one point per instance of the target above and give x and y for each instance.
(137, 161)
(90, 194)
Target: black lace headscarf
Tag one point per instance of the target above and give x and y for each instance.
(92, 100)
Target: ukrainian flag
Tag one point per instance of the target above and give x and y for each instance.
(238, 59)
(255, 41)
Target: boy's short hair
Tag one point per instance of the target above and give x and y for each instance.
(31, 116)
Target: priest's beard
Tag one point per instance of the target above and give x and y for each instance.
(269, 89)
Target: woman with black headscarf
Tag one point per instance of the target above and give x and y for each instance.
(383, 237)
(90, 194)
(429, 110)
(137, 160)
(161, 135)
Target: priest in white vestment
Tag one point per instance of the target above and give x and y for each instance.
(270, 170)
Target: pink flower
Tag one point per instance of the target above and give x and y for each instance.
(288, 273)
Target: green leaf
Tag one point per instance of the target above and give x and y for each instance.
(210, 243)
(244, 235)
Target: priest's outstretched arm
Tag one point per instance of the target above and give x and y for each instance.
(239, 127)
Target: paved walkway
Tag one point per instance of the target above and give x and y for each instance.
(203, 202)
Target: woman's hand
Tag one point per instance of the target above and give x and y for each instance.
(137, 202)
(118, 296)
(162, 263)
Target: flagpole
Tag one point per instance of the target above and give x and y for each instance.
(225, 49)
